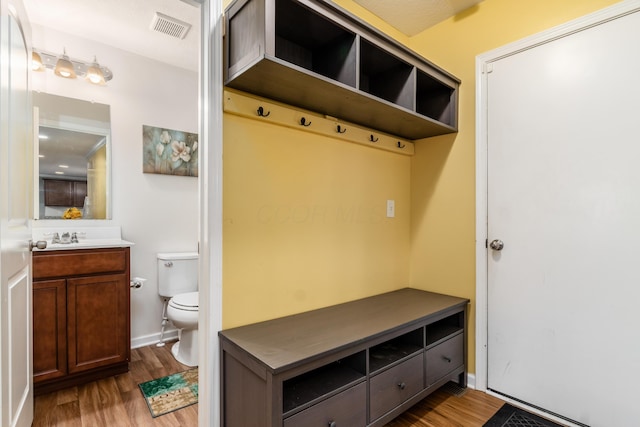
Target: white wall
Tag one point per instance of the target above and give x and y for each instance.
(159, 213)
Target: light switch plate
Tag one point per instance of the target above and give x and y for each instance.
(391, 208)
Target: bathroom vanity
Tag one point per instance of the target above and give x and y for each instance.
(81, 325)
(356, 364)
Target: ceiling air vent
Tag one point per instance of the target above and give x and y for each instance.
(170, 26)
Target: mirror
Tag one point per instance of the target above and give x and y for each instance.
(73, 167)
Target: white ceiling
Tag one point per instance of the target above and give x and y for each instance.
(414, 16)
(124, 24)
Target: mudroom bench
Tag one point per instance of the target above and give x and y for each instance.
(361, 363)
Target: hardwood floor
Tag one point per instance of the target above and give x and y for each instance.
(443, 409)
(117, 401)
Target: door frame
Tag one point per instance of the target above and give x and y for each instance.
(210, 210)
(484, 64)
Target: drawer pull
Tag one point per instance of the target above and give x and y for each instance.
(332, 424)
(446, 359)
(402, 386)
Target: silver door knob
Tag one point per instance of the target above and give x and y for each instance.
(496, 245)
(40, 244)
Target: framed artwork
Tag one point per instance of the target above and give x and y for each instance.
(169, 152)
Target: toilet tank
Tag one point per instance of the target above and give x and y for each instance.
(177, 273)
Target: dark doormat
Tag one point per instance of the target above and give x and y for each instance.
(510, 416)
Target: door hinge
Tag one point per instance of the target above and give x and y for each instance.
(486, 243)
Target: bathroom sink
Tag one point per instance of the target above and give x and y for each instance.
(87, 238)
(88, 244)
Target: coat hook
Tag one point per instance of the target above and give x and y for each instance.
(401, 145)
(372, 139)
(261, 112)
(340, 131)
(304, 123)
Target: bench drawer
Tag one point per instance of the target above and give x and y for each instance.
(444, 358)
(395, 385)
(346, 409)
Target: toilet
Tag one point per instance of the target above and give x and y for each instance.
(178, 283)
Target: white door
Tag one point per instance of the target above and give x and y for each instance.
(563, 181)
(15, 198)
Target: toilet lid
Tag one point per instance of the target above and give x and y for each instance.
(186, 301)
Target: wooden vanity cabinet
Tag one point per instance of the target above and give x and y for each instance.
(81, 326)
(356, 364)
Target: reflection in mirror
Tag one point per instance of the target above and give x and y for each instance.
(73, 165)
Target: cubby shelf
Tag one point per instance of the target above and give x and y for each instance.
(315, 55)
(394, 350)
(304, 389)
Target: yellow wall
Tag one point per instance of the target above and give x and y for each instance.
(97, 183)
(443, 168)
(304, 223)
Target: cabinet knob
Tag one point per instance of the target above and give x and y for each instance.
(402, 386)
(332, 424)
(446, 359)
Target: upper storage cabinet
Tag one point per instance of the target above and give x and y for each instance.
(315, 43)
(315, 55)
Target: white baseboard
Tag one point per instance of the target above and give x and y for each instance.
(150, 339)
(471, 381)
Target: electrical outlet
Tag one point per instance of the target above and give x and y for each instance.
(391, 208)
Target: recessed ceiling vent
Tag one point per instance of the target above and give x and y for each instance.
(170, 26)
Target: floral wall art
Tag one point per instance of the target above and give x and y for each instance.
(169, 152)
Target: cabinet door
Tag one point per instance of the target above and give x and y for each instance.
(79, 193)
(58, 192)
(98, 321)
(64, 193)
(49, 329)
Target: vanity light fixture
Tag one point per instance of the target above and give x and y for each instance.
(64, 67)
(70, 68)
(36, 60)
(95, 74)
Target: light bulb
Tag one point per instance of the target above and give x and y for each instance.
(64, 67)
(95, 74)
(36, 62)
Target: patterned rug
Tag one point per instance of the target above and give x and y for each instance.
(510, 416)
(170, 393)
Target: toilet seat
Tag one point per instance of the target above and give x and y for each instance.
(187, 301)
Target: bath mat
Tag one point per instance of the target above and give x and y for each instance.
(170, 393)
(510, 416)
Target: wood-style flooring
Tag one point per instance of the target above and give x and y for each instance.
(117, 401)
